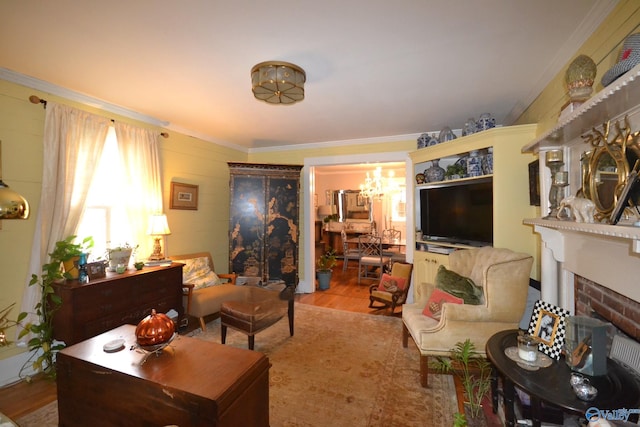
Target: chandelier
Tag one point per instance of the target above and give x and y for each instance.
(278, 82)
(373, 185)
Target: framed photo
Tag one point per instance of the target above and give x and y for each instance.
(183, 196)
(534, 183)
(548, 325)
(623, 200)
(96, 270)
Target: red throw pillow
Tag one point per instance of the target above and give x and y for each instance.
(390, 283)
(434, 305)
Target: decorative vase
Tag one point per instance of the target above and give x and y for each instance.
(446, 134)
(435, 173)
(485, 121)
(487, 162)
(469, 127)
(474, 164)
(423, 140)
(420, 178)
(579, 78)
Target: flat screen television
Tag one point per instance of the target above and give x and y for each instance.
(458, 212)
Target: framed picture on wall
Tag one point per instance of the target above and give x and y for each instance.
(534, 183)
(183, 196)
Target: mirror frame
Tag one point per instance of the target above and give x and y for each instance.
(619, 147)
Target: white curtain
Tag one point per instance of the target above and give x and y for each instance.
(140, 156)
(72, 145)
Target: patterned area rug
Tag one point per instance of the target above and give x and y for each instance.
(339, 369)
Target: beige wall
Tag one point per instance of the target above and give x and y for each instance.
(194, 161)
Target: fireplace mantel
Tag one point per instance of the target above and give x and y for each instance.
(606, 254)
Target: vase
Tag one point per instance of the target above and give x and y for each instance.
(469, 127)
(435, 173)
(446, 134)
(420, 178)
(474, 164)
(486, 121)
(487, 162)
(423, 140)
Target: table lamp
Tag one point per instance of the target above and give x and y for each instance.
(158, 227)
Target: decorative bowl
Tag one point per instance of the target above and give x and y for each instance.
(585, 391)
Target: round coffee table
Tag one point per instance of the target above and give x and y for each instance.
(616, 390)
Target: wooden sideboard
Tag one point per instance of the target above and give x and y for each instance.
(102, 304)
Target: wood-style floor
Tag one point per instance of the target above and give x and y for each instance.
(344, 293)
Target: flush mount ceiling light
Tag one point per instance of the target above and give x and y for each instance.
(278, 82)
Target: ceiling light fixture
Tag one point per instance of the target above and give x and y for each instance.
(278, 82)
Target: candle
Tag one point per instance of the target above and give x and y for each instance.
(527, 348)
(562, 178)
(553, 156)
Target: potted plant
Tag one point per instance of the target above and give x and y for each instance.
(43, 345)
(474, 371)
(455, 171)
(68, 252)
(120, 255)
(325, 263)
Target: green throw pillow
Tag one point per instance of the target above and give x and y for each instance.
(459, 286)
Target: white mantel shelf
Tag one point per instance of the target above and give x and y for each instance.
(610, 103)
(620, 231)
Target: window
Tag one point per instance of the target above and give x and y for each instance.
(105, 218)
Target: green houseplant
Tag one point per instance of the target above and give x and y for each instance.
(325, 264)
(42, 344)
(473, 370)
(68, 252)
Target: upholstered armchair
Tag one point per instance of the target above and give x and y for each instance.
(503, 276)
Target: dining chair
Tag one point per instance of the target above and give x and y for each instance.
(372, 260)
(391, 245)
(348, 252)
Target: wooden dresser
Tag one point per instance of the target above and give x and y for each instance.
(190, 383)
(103, 304)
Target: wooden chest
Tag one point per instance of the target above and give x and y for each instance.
(191, 383)
(103, 304)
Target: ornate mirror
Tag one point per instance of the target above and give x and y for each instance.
(352, 206)
(608, 170)
(606, 167)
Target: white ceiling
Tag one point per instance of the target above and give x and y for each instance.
(375, 68)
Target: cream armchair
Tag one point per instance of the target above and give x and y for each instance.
(504, 277)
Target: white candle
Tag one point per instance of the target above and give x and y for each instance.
(528, 355)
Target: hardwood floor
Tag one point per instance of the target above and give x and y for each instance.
(344, 293)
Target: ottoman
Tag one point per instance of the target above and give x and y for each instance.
(259, 308)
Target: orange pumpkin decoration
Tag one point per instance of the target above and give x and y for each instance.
(156, 328)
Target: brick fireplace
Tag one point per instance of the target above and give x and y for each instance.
(616, 308)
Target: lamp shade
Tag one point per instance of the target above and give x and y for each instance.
(325, 210)
(278, 82)
(12, 204)
(158, 225)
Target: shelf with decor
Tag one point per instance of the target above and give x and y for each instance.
(508, 184)
(611, 103)
(599, 128)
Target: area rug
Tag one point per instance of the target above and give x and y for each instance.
(339, 369)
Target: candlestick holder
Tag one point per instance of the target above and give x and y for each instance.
(559, 180)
